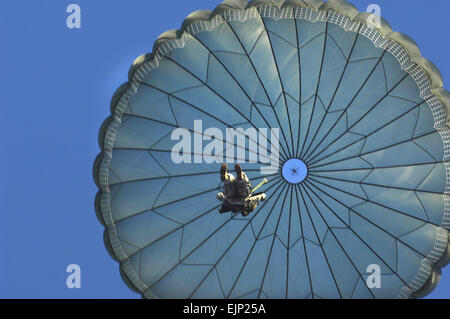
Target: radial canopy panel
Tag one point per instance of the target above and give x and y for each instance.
(357, 204)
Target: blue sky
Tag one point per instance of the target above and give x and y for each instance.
(56, 87)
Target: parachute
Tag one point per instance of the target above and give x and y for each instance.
(357, 199)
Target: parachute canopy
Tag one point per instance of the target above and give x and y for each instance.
(345, 120)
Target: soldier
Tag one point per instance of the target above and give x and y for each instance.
(237, 195)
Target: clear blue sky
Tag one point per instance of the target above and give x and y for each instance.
(56, 84)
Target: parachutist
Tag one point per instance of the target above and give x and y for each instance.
(238, 195)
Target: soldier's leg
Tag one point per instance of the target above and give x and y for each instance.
(240, 175)
(243, 183)
(224, 175)
(223, 172)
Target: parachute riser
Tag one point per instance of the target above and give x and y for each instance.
(265, 181)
